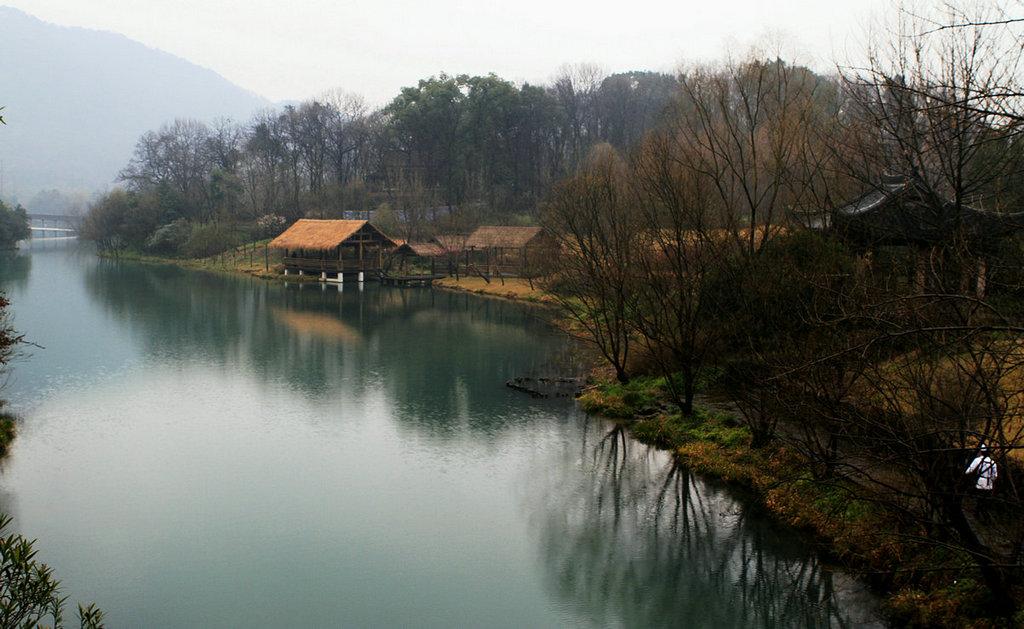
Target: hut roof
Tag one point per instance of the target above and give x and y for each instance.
(904, 211)
(502, 237)
(310, 233)
(422, 249)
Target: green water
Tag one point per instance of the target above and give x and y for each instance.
(206, 451)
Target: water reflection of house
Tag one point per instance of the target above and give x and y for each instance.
(333, 248)
(506, 250)
(318, 326)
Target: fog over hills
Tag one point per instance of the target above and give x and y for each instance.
(77, 100)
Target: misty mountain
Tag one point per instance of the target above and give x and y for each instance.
(77, 100)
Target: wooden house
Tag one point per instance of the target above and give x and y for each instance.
(418, 254)
(906, 221)
(506, 250)
(333, 248)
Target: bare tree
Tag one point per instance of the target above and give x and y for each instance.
(576, 88)
(677, 250)
(908, 388)
(597, 226)
(939, 102)
(744, 127)
(176, 156)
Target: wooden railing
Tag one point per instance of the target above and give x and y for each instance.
(316, 265)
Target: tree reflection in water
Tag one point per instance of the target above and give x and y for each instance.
(632, 539)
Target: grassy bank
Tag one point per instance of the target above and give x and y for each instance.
(254, 259)
(506, 288)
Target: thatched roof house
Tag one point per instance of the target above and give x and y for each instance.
(420, 249)
(506, 250)
(504, 237)
(332, 246)
(421, 254)
(311, 234)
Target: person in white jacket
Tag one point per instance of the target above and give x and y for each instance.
(987, 472)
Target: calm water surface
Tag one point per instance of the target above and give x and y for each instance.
(204, 451)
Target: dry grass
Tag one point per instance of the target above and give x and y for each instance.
(910, 384)
(511, 288)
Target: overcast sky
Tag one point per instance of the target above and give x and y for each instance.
(298, 49)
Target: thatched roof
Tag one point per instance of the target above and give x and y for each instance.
(422, 249)
(315, 234)
(502, 237)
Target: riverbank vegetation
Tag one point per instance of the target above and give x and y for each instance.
(836, 259)
(865, 328)
(925, 584)
(509, 288)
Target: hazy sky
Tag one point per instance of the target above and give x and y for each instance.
(298, 49)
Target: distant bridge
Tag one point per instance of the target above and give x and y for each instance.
(54, 225)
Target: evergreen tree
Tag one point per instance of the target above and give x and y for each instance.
(14, 225)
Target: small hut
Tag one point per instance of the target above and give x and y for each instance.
(505, 250)
(422, 254)
(452, 249)
(332, 248)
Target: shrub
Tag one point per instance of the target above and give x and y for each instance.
(208, 239)
(622, 401)
(29, 594)
(170, 238)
